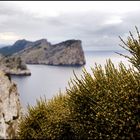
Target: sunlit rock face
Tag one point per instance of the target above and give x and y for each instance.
(10, 108)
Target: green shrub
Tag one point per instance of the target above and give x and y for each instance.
(46, 120)
(102, 105)
(106, 105)
(132, 45)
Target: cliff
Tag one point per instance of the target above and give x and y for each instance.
(10, 107)
(14, 66)
(69, 52)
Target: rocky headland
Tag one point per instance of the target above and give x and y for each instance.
(14, 66)
(68, 53)
(10, 107)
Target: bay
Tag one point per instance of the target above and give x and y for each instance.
(47, 81)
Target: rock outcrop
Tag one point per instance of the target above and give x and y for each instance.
(69, 53)
(14, 66)
(10, 108)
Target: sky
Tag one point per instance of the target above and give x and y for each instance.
(96, 23)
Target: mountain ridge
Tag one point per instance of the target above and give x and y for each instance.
(69, 52)
(17, 46)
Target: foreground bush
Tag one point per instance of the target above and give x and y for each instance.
(106, 105)
(101, 105)
(46, 120)
(132, 45)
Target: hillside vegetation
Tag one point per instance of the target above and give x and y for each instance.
(101, 105)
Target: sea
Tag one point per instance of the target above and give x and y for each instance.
(48, 81)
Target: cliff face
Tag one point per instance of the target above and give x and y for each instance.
(69, 52)
(14, 66)
(66, 53)
(10, 107)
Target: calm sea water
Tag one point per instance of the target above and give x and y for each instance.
(49, 80)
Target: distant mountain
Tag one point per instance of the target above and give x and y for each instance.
(16, 47)
(2, 45)
(69, 52)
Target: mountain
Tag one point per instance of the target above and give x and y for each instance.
(2, 45)
(69, 52)
(16, 47)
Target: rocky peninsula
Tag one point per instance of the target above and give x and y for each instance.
(67, 53)
(14, 66)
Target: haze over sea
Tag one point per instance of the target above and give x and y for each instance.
(49, 80)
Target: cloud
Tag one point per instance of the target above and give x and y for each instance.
(98, 29)
(8, 36)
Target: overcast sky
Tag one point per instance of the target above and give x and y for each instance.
(98, 24)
